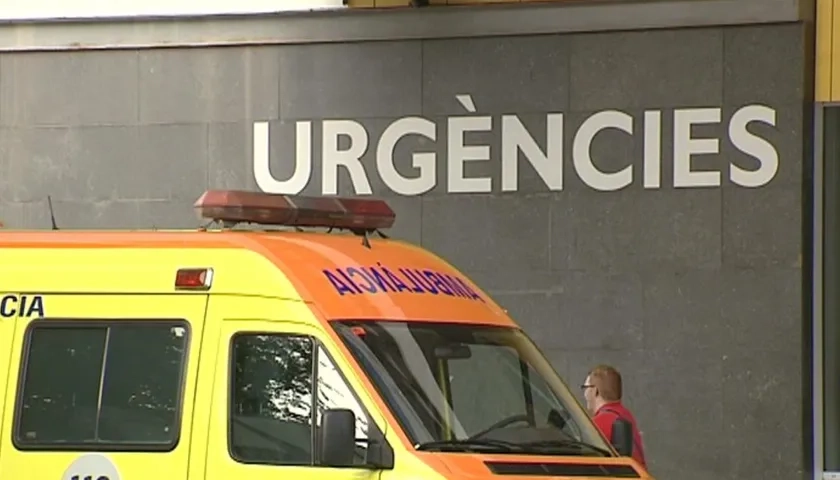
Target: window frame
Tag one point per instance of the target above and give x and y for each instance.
(818, 469)
(826, 277)
(374, 433)
(65, 322)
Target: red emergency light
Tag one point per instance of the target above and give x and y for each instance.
(193, 278)
(238, 206)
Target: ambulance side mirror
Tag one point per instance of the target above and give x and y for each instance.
(337, 440)
(622, 437)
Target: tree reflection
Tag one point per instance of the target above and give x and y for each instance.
(273, 376)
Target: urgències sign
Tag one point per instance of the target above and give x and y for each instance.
(516, 141)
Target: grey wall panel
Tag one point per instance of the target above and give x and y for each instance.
(213, 84)
(675, 231)
(770, 294)
(170, 162)
(477, 66)
(746, 60)
(646, 69)
(354, 80)
(105, 162)
(491, 236)
(756, 382)
(59, 89)
(682, 310)
(693, 292)
(762, 229)
(611, 303)
(594, 301)
(229, 155)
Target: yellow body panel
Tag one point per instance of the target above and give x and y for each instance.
(7, 340)
(120, 270)
(823, 88)
(255, 288)
(16, 464)
(827, 55)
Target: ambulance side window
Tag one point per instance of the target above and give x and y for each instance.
(271, 414)
(90, 385)
(276, 378)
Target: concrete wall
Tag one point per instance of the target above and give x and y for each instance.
(693, 292)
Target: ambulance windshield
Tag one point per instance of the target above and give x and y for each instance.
(458, 387)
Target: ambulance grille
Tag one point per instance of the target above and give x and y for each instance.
(562, 469)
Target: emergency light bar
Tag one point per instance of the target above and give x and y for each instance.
(238, 206)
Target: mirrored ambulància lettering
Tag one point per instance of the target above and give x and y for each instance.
(345, 142)
(27, 306)
(380, 279)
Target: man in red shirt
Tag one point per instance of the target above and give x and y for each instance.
(602, 391)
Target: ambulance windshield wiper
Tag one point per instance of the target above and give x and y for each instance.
(564, 445)
(467, 445)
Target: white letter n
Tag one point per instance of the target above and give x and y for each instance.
(548, 165)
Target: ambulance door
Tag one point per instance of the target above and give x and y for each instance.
(263, 414)
(102, 388)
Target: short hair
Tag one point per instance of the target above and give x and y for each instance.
(608, 382)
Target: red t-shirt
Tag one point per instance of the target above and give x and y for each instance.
(608, 414)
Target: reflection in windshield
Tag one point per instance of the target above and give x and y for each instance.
(455, 386)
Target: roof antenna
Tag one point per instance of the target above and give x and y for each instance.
(52, 213)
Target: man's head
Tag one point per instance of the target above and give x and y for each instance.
(602, 386)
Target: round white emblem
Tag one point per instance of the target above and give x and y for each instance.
(92, 467)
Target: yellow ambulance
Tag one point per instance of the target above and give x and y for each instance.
(262, 346)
